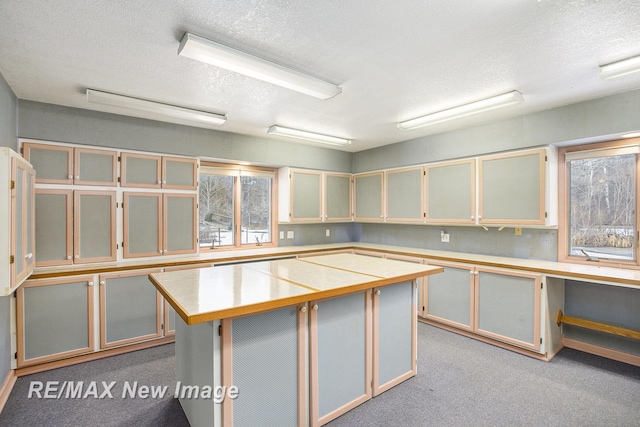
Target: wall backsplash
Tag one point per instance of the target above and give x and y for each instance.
(540, 244)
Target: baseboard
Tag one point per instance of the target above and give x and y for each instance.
(496, 343)
(28, 370)
(6, 387)
(602, 351)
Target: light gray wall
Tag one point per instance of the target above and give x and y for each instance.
(8, 133)
(7, 115)
(597, 118)
(63, 124)
(315, 234)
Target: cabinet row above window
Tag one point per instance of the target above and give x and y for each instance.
(62, 164)
(516, 188)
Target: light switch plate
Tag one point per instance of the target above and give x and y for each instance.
(290, 234)
(281, 235)
(518, 231)
(444, 237)
(327, 233)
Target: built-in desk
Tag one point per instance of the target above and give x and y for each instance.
(303, 340)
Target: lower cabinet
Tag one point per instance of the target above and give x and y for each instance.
(130, 308)
(62, 317)
(54, 319)
(503, 305)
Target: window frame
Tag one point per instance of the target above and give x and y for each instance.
(564, 194)
(237, 205)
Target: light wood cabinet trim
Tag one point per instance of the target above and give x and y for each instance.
(472, 215)
(77, 152)
(20, 331)
(123, 170)
(69, 227)
(76, 225)
(26, 152)
(542, 188)
(27, 218)
(294, 218)
(165, 319)
(103, 310)
(194, 178)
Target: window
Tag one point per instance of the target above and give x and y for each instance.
(236, 206)
(601, 194)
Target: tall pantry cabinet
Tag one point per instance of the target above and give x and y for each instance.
(17, 220)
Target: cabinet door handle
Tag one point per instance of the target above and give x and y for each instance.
(29, 256)
(315, 307)
(160, 251)
(76, 256)
(473, 217)
(159, 182)
(303, 309)
(70, 176)
(378, 292)
(77, 177)
(68, 256)
(90, 283)
(102, 282)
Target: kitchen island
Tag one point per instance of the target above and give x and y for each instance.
(291, 341)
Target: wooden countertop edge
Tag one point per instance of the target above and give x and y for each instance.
(299, 250)
(192, 319)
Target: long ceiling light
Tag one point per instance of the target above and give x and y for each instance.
(499, 101)
(307, 136)
(214, 53)
(620, 68)
(114, 100)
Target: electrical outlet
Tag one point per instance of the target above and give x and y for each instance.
(281, 235)
(290, 234)
(518, 231)
(444, 237)
(327, 232)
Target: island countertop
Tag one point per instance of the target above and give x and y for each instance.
(225, 291)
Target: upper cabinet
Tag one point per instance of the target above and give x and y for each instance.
(369, 197)
(517, 188)
(17, 220)
(451, 192)
(149, 171)
(404, 190)
(313, 196)
(337, 196)
(58, 164)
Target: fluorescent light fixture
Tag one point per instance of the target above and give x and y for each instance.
(620, 68)
(499, 101)
(307, 136)
(114, 100)
(214, 53)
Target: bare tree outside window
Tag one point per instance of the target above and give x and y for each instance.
(602, 207)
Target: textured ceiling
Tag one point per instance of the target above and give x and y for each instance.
(394, 60)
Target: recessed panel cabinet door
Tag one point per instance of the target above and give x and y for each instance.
(129, 308)
(451, 192)
(512, 188)
(394, 335)
(449, 296)
(337, 197)
(95, 167)
(54, 163)
(54, 319)
(180, 223)
(339, 355)
(94, 227)
(405, 195)
(306, 195)
(142, 224)
(54, 227)
(179, 173)
(368, 197)
(140, 170)
(22, 220)
(508, 307)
